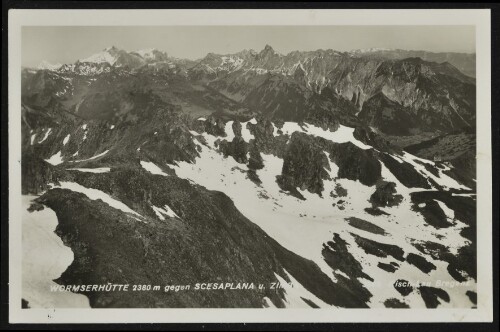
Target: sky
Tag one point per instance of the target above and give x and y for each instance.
(68, 44)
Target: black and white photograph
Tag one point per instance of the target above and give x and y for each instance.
(270, 166)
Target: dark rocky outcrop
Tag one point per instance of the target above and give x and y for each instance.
(385, 195)
(36, 174)
(432, 295)
(432, 213)
(376, 211)
(264, 139)
(304, 165)
(255, 162)
(403, 287)
(365, 225)
(237, 149)
(338, 257)
(404, 172)
(395, 303)
(355, 163)
(379, 249)
(472, 296)
(464, 261)
(339, 191)
(387, 267)
(463, 207)
(420, 262)
(212, 125)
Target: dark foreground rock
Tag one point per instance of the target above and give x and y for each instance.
(210, 241)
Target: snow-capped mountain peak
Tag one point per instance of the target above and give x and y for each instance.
(49, 66)
(108, 55)
(152, 54)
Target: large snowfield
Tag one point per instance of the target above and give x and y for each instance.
(303, 226)
(45, 258)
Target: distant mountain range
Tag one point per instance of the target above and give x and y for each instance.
(429, 95)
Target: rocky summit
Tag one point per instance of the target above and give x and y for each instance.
(339, 176)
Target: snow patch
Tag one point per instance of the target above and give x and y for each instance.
(44, 259)
(165, 211)
(91, 158)
(55, 159)
(95, 194)
(268, 303)
(47, 133)
(152, 168)
(91, 170)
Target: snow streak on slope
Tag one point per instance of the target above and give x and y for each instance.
(342, 135)
(165, 211)
(91, 170)
(91, 158)
(152, 168)
(95, 194)
(303, 226)
(47, 133)
(66, 139)
(44, 259)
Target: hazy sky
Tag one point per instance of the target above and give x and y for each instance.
(67, 44)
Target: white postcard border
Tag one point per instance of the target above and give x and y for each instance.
(480, 18)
